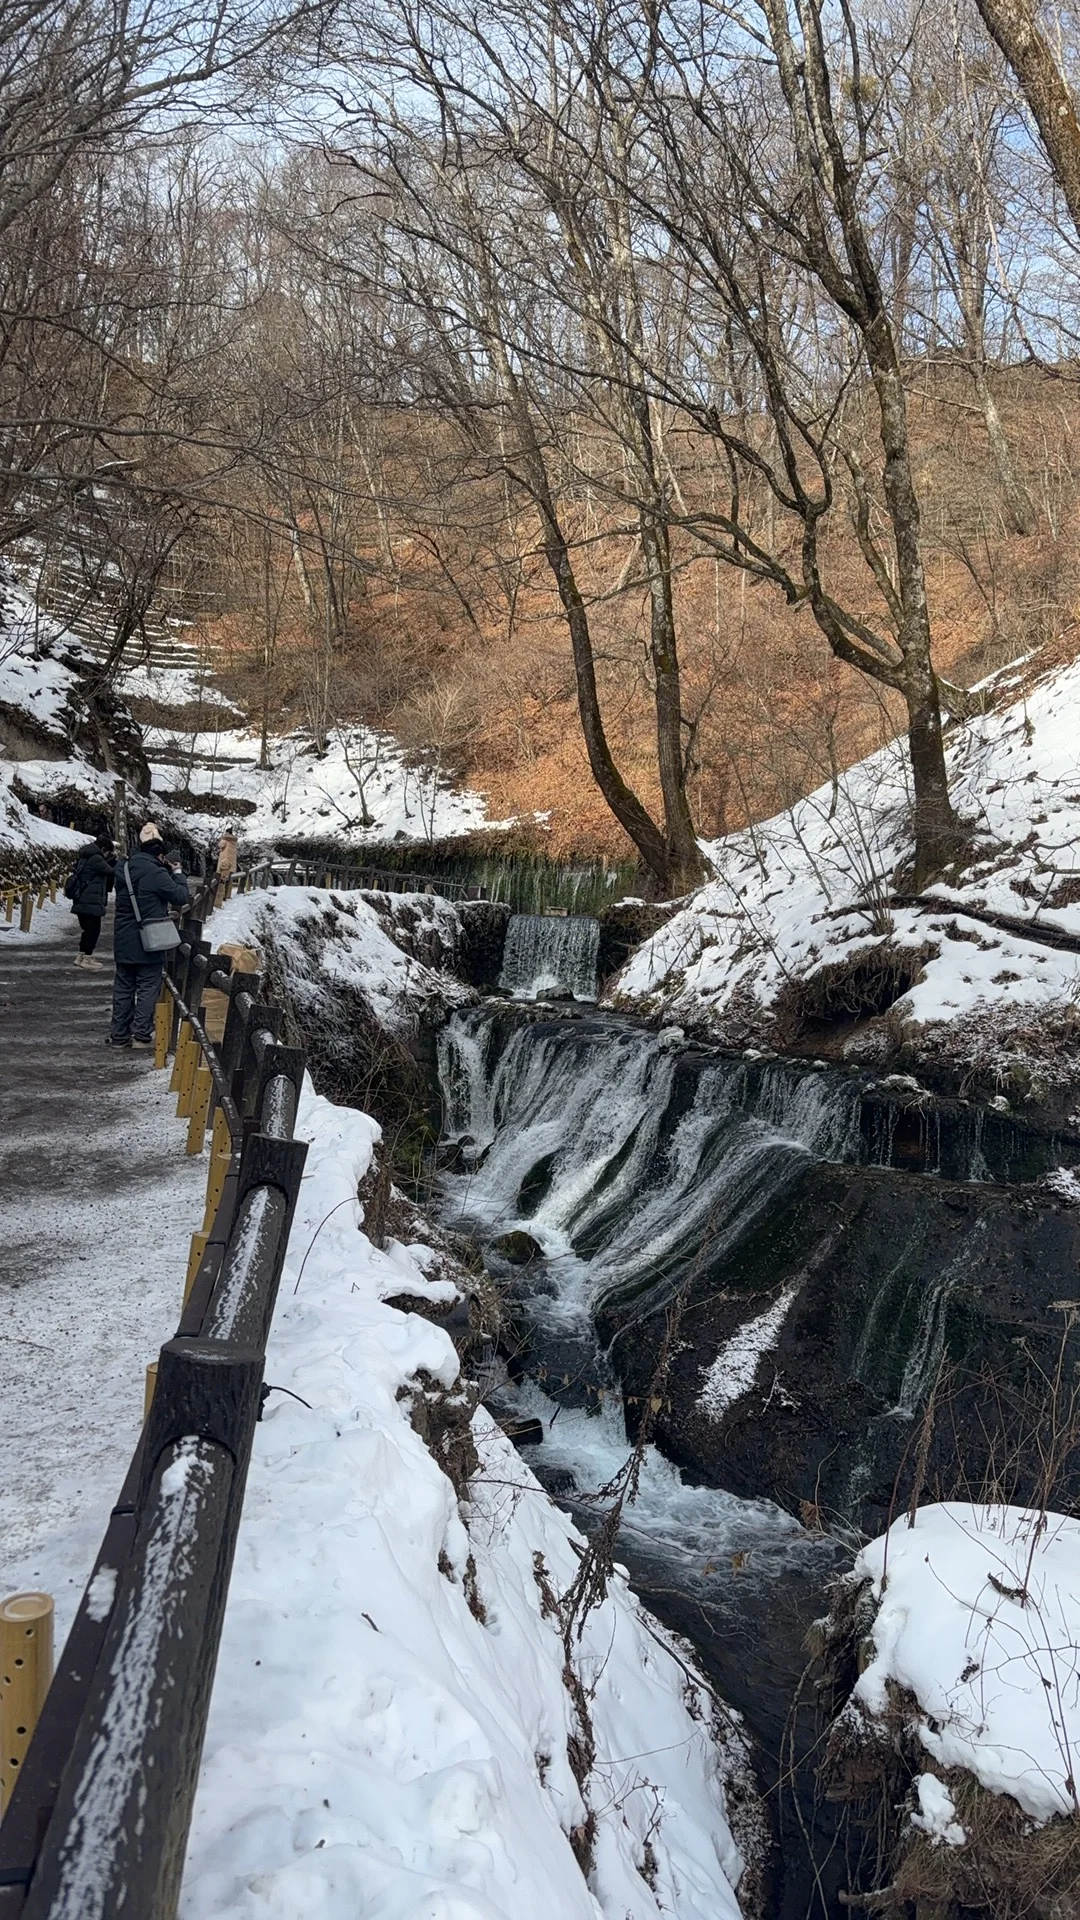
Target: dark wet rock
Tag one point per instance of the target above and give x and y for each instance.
(624, 926)
(483, 937)
(883, 1284)
(518, 1247)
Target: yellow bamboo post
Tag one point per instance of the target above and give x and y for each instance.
(9, 904)
(52, 890)
(202, 1088)
(42, 891)
(161, 1031)
(26, 912)
(148, 1389)
(182, 1039)
(198, 1248)
(26, 1665)
(188, 1073)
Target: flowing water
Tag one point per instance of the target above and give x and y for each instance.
(626, 1163)
(550, 955)
(621, 1153)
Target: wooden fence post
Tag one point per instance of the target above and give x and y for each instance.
(26, 1664)
(26, 912)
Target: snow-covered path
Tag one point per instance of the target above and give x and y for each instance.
(97, 1205)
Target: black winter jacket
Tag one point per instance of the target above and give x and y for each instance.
(92, 879)
(156, 890)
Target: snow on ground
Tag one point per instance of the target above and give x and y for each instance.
(303, 796)
(38, 687)
(390, 1731)
(24, 832)
(333, 940)
(979, 1617)
(809, 890)
(174, 687)
(103, 1228)
(38, 693)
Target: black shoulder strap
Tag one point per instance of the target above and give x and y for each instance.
(131, 890)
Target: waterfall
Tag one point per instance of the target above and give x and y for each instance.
(633, 1164)
(550, 955)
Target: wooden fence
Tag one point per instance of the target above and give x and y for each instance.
(96, 1827)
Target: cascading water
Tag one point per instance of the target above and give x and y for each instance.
(550, 955)
(621, 1153)
(863, 1222)
(628, 1160)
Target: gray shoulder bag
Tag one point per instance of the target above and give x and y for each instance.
(157, 936)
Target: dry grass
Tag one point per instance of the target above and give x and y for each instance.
(1008, 1870)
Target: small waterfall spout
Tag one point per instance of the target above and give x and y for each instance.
(548, 956)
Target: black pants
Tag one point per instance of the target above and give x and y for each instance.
(91, 931)
(135, 992)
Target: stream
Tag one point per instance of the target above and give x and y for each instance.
(607, 1171)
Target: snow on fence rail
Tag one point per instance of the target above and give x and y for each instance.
(97, 1823)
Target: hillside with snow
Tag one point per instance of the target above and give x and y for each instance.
(66, 737)
(802, 939)
(362, 790)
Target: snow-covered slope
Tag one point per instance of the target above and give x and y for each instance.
(804, 902)
(39, 703)
(364, 789)
(403, 1723)
(327, 943)
(978, 1620)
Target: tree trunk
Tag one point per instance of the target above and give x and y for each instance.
(686, 865)
(936, 831)
(1015, 27)
(1018, 507)
(936, 834)
(624, 803)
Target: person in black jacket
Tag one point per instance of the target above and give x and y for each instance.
(88, 891)
(156, 887)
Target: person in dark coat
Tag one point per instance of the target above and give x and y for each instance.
(88, 890)
(157, 886)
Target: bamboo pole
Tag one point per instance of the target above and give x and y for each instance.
(26, 1665)
(26, 912)
(148, 1389)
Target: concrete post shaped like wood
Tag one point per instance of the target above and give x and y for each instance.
(26, 1665)
(202, 1087)
(162, 1019)
(178, 1060)
(198, 1248)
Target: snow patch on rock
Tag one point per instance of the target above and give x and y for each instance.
(978, 1620)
